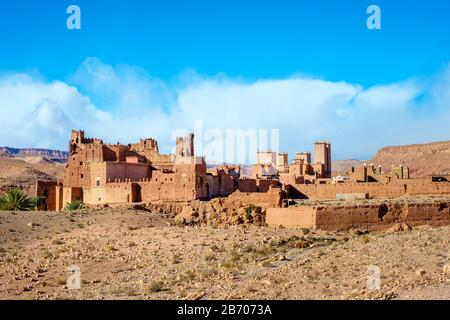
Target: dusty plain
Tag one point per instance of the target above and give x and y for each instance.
(125, 253)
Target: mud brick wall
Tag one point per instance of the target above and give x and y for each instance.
(375, 190)
(269, 199)
(329, 191)
(46, 191)
(247, 185)
(374, 217)
(291, 217)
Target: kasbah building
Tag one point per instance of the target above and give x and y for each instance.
(302, 193)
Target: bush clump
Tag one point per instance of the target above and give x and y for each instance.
(16, 200)
(75, 205)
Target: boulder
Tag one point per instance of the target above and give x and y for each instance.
(399, 227)
(187, 215)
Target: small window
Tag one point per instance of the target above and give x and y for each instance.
(81, 176)
(97, 182)
(81, 163)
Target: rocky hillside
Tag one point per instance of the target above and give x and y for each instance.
(35, 155)
(246, 169)
(422, 159)
(22, 167)
(15, 172)
(342, 166)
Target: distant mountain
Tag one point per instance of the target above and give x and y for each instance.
(35, 155)
(422, 159)
(342, 166)
(246, 170)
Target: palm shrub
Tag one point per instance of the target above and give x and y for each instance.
(16, 200)
(75, 205)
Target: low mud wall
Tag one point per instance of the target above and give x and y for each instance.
(291, 217)
(373, 217)
(272, 198)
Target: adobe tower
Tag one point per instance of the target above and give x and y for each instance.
(322, 155)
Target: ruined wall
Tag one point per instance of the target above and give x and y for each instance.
(358, 174)
(394, 189)
(185, 146)
(374, 217)
(187, 182)
(290, 178)
(382, 216)
(272, 198)
(218, 185)
(46, 191)
(247, 185)
(291, 217)
(421, 186)
(265, 184)
(147, 148)
(303, 157)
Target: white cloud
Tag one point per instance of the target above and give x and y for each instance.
(37, 114)
(125, 103)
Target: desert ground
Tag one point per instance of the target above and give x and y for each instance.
(23, 172)
(125, 253)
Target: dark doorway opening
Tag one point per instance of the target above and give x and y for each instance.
(136, 193)
(43, 201)
(207, 192)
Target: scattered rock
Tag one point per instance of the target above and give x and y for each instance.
(420, 272)
(187, 215)
(399, 227)
(282, 258)
(358, 232)
(446, 269)
(305, 231)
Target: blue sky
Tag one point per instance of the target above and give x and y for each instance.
(172, 48)
(252, 39)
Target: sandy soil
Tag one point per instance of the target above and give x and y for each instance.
(131, 254)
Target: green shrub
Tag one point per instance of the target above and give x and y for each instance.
(75, 205)
(249, 209)
(252, 208)
(16, 200)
